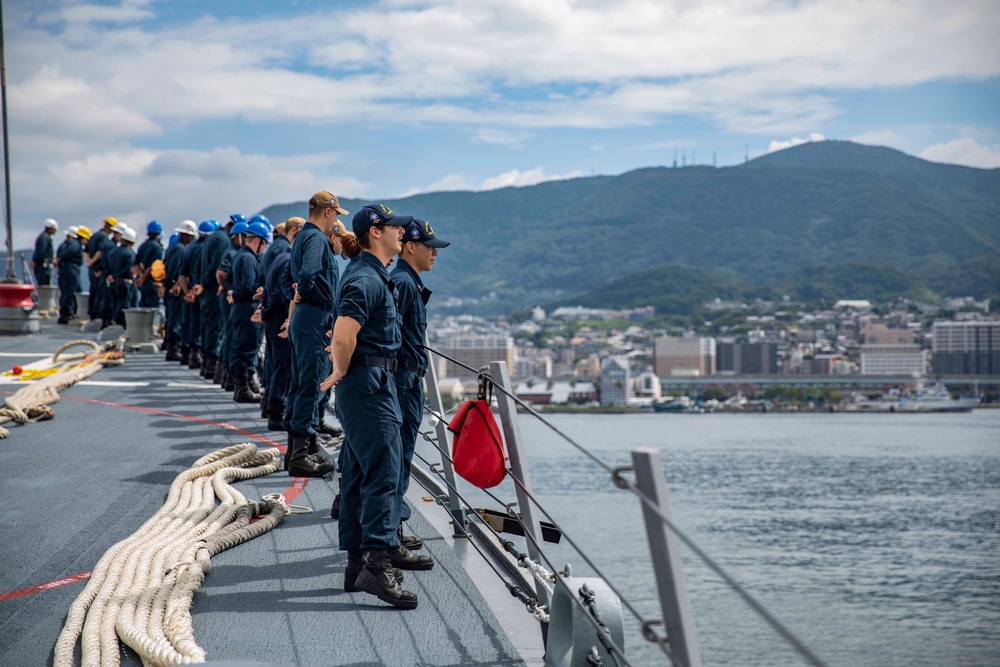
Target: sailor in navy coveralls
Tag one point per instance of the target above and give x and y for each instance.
(366, 339)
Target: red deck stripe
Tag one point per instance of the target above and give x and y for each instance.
(83, 576)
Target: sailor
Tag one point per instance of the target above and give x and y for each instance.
(216, 246)
(223, 278)
(284, 235)
(190, 274)
(255, 386)
(273, 311)
(150, 251)
(69, 260)
(111, 244)
(45, 254)
(315, 274)
(420, 250)
(366, 338)
(120, 276)
(173, 291)
(96, 247)
(247, 290)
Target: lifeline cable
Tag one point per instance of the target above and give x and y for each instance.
(30, 404)
(142, 588)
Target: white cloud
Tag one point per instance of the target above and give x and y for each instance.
(965, 151)
(138, 185)
(777, 145)
(518, 178)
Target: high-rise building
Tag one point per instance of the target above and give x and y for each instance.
(877, 333)
(683, 356)
(476, 351)
(615, 381)
(967, 347)
(891, 359)
(746, 358)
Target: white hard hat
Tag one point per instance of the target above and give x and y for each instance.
(72, 230)
(128, 235)
(188, 227)
(51, 224)
(121, 228)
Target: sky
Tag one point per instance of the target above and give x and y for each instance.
(176, 109)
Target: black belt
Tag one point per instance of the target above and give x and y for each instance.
(413, 368)
(317, 304)
(372, 360)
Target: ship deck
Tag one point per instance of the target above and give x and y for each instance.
(74, 486)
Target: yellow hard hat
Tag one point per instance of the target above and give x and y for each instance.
(83, 233)
(110, 221)
(158, 271)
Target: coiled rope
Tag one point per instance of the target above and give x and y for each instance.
(31, 403)
(142, 588)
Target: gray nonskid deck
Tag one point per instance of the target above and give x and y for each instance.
(74, 486)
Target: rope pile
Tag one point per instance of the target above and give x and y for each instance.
(142, 588)
(30, 404)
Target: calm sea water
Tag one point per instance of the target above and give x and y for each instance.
(875, 538)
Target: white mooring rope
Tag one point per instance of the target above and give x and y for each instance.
(142, 588)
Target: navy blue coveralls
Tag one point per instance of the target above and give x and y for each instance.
(94, 245)
(314, 269)
(211, 324)
(174, 259)
(191, 268)
(150, 251)
(369, 411)
(273, 312)
(279, 246)
(123, 291)
(106, 295)
(412, 360)
(246, 335)
(225, 309)
(43, 256)
(70, 260)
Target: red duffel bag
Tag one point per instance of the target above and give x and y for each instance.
(477, 451)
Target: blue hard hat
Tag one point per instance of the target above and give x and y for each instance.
(206, 228)
(262, 219)
(174, 239)
(238, 228)
(154, 228)
(237, 217)
(259, 229)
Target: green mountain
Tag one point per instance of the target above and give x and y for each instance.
(826, 203)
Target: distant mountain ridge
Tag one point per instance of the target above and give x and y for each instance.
(823, 203)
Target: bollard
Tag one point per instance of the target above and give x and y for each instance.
(139, 324)
(48, 297)
(82, 303)
(571, 635)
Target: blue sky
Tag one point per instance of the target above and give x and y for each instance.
(178, 109)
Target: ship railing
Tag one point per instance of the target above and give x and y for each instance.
(677, 639)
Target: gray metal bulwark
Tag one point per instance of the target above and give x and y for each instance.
(665, 550)
(444, 442)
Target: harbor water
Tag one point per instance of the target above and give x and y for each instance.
(875, 538)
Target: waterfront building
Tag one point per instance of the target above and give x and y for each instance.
(684, 356)
(890, 359)
(476, 351)
(646, 385)
(746, 358)
(588, 368)
(966, 347)
(615, 382)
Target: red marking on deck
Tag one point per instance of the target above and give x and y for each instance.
(55, 583)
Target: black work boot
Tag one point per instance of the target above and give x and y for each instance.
(219, 377)
(173, 351)
(411, 542)
(303, 463)
(378, 579)
(252, 378)
(327, 429)
(335, 509)
(263, 403)
(356, 562)
(242, 392)
(230, 382)
(288, 449)
(185, 357)
(194, 359)
(208, 367)
(276, 420)
(405, 559)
